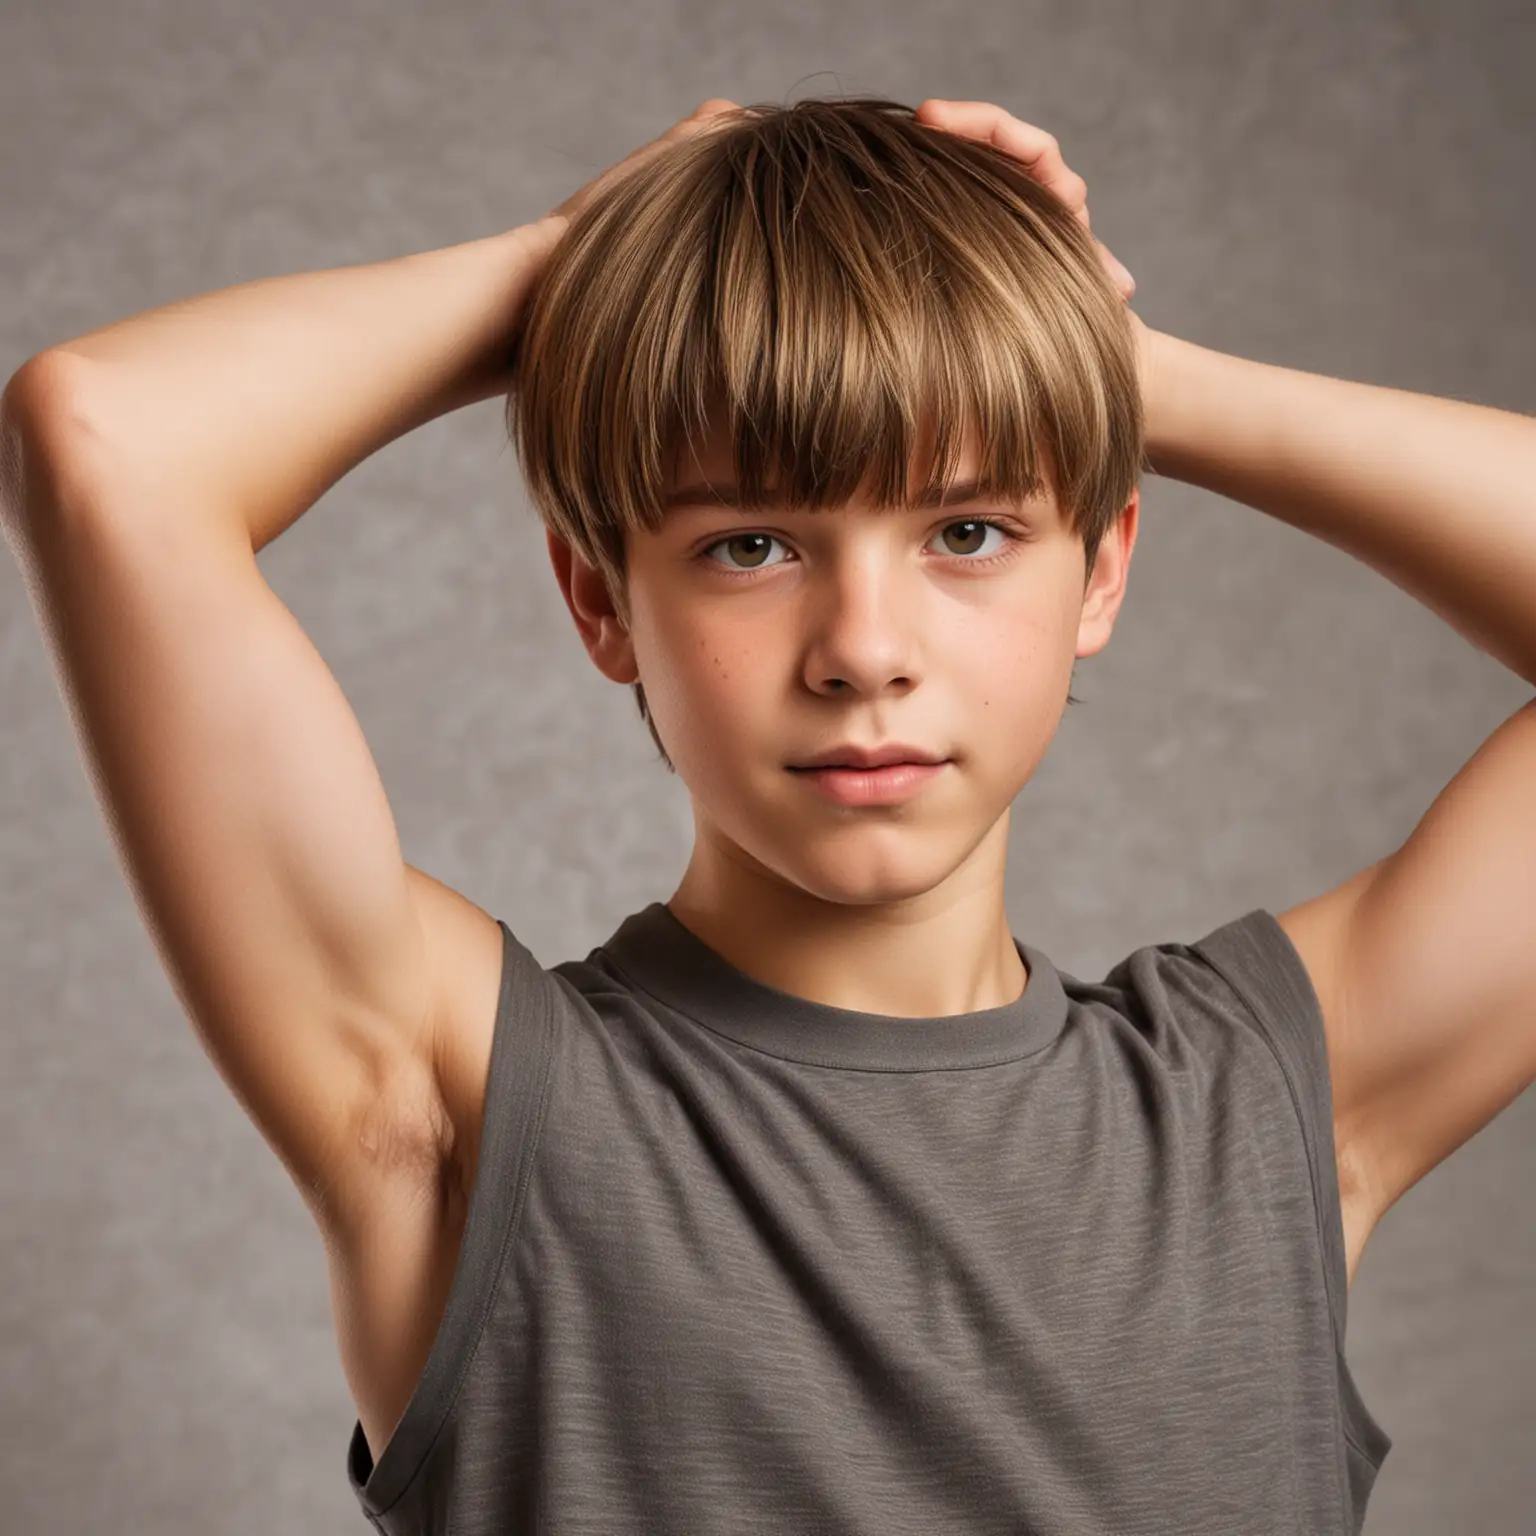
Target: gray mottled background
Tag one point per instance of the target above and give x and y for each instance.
(1345, 189)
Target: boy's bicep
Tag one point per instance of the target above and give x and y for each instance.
(252, 826)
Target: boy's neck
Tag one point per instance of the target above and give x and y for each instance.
(947, 952)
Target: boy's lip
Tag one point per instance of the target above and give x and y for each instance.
(883, 756)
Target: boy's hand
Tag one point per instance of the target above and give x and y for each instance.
(536, 242)
(1035, 149)
(1039, 153)
(686, 127)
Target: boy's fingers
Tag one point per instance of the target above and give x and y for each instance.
(697, 121)
(1035, 149)
(701, 117)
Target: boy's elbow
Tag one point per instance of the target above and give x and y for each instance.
(46, 438)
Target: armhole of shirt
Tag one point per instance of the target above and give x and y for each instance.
(515, 1097)
(1254, 955)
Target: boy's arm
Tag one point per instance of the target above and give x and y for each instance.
(1425, 962)
(249, 403)
(143, 466)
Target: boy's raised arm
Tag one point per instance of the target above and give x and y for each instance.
(143, 466)
(1424, 963)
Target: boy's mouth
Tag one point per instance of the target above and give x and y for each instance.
(888, 784)
(892, 754)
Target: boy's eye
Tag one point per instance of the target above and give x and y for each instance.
(754, 543)
(971, 541)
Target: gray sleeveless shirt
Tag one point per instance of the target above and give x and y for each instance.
(740, 1262)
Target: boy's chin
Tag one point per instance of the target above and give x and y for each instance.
(846, 875)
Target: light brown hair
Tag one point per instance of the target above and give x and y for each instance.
(834, 284)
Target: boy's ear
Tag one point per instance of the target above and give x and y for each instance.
(597, 620)
(1106, 585)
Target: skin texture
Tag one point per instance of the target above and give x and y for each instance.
(853, 625)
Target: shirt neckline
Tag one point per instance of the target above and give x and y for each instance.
(656, 951)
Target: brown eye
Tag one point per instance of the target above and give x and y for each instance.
(974, 536)
(970, 539)
(753, 546)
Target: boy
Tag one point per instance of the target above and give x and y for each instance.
(812, 1200)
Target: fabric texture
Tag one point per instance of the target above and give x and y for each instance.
(740, 1262)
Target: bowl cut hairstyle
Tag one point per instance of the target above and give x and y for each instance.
(844, 291)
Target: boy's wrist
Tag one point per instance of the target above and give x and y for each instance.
(1176, 375)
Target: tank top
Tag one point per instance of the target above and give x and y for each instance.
(736, 1261)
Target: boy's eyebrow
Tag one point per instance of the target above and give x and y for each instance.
(703, 494)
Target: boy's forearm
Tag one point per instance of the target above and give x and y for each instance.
(251, 401)
(1434, 494)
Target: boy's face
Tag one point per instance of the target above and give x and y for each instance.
(765, 636)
